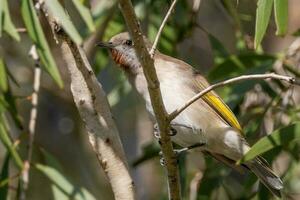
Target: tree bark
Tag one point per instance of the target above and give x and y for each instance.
(160, 112)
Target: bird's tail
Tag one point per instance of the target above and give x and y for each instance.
(265, 174)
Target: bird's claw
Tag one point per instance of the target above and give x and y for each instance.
(161, 160)
(177, 152)
(173, 131)
(156, 131)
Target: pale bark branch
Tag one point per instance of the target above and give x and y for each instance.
(32, 120)
(156, 99)
(22, 30)
(288, 79)
(91, 102)
(155, 43)
(194, 185)
(93, 107)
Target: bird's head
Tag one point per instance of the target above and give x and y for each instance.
(123, 52)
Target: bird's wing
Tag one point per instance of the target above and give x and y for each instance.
(216, 103)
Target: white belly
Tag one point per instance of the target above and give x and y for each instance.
(187, 136)
(193, 123)
(198, 123)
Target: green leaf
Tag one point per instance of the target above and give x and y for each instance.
(281, 16)
(63, 19)
(51, 160)
(182, 165)
(4, 176)
(236, 65)
(230, 6)
(263, 13)
(219, 51)
(36, 33)
(12, 78)
(3, 77)
(3, 104)
(9, 146)
(85, 14)
(8, 103)
(1, 16)
(5, 21)
(62, 187)
(280, 137)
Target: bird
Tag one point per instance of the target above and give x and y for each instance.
(208, 121)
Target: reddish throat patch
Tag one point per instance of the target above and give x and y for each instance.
(118, 57)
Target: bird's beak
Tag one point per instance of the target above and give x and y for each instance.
(108, 45)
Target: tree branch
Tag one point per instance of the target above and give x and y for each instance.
(155, 43)
(194, 185)
(155, 95)
(93, 107)
(91, 102)
(22, 30)
(289, 79)
(32, 121)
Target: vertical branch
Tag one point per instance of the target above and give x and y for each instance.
(32, 121)
(156, 99)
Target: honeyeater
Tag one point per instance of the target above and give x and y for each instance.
(208, 121)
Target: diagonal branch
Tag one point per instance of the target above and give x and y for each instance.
(155, 43)
(156, 99)
(93, 107)
(288, 79)
(91, 102)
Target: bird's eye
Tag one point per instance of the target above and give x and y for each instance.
(128, 42)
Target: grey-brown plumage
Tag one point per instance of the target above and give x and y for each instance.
(208, 120)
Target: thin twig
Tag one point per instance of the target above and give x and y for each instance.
(32, 121)
(160, 112)
(34, 100)
(21, 30)
(289, 79)
(194, 185)
(152, 51)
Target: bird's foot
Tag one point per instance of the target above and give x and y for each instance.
(179, 152)
(173, 131)
(156, 131)
(161, 159)
(185, 149)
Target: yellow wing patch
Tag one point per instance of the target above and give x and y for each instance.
(222, 109)
(217, 104)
